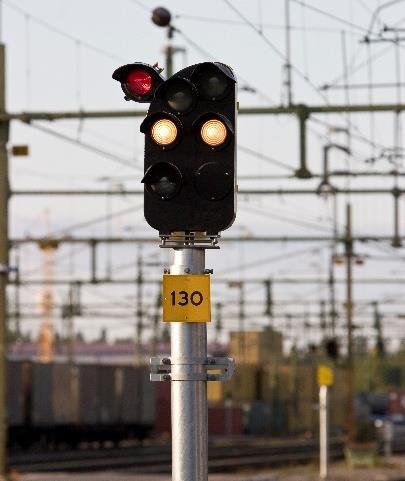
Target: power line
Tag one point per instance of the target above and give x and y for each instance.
(267, 260)
(299, 222)
(283, 57)
(62, 33)
(86, 223)
(108, 155)
(204, 52)
(331, 16)
(57, 259)
(141, 5)
(128, 163)
(227, 21)
(275, 49)
(377, 12)
(96, 220)
(207, 54)
(371, 58)
(359, 136)
(259, 155)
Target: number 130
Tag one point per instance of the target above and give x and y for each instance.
(183, 298)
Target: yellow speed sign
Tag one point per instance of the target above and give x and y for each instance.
(325, 375)
(186, 298)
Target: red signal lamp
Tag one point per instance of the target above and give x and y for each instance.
(139, 81)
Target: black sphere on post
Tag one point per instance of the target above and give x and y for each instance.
(161, 17)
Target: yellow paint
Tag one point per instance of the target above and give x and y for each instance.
(325, 375)
(186, 298)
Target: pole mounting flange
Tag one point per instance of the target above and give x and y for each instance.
(163, 368)
(189, 240)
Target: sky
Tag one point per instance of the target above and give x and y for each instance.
(60, 57)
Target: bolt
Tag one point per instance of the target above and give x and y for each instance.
(208, 271)
(166, 377)
(166, 360)
(187, 270)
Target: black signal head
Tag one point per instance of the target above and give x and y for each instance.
(190, 145)
(139, 81)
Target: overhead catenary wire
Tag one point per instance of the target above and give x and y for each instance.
(81, 42)
(276, 258)
(83, 224)
(295, 221)
(265, 157)
(355, 68)
(57, 260)
(331, 16)
(281, 55)
(97, 150)
(61, 32)
(140, 4)
(275, 49)
(207, 54)
(263, 25)
(377, 12)
(96, 220)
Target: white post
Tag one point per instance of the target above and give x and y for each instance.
(323, 433)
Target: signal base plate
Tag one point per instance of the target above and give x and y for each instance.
(189, 240)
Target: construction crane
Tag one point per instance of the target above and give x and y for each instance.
(46, 337)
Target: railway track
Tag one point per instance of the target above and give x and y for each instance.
(157, 459)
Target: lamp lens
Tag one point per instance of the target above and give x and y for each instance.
(163, 179)
(164, 187)
(179, 97)
(139, 82)
(214, 132)
(213, 85)
(164, 132)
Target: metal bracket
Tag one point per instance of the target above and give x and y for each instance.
(189, 240)
(164, 368)
(5, 269)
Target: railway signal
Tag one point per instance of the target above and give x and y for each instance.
(190, 145)
(189, 197)
(332, 348)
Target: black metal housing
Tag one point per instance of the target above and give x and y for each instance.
(206, 201)
(120, 74)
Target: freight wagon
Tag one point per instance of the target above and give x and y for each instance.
(61, 404)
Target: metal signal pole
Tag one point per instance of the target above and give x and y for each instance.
(287, 66)
(349, 317)
(4, 267)
(138, 355)
(188, 366)
(189, 397)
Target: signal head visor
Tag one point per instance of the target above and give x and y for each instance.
(139, 81)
